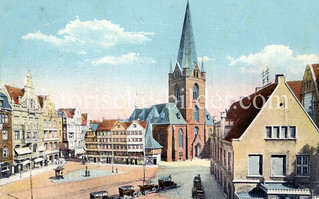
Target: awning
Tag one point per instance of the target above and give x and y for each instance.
(21, 151)
(41, 148)
(79, 151)
(26, 162)
(38, 160)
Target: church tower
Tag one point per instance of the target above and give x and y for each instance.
(187, 89)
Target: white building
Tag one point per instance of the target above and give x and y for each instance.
(135, 136)
(26, 125)
(73, 138)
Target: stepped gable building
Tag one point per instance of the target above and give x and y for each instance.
(6, 151)
(182, 125)
(50, 127)
(73, 137)
(261, 147)
(27, 136)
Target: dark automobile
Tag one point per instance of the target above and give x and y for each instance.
(99, 195)
(148, 188)
(128, 191)
(166, 183)
(198, 189)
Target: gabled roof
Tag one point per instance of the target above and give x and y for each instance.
(142, 123)
(68, 111)
(106, 125)
(84, 117)
(14, 93)
(5, 102)
(296, 87)
(241, 116)
(41, 99)
(187, 57)
(166, 113)
(150, 142)
(94, 126)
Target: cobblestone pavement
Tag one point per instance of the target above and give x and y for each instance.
(182, 172)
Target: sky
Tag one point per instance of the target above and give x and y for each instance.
(108, 57)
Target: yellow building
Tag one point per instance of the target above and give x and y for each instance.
(50, 127)
(267, 146)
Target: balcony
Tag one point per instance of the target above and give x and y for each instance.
(50, 139)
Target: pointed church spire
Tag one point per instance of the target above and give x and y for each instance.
(187, 52)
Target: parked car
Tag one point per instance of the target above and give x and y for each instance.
(166, 183)
(198, 189)
(99, 195)
(148, 188)
(127, 192)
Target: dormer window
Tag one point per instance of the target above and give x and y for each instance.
(1, 103)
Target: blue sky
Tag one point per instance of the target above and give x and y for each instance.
(85, 53)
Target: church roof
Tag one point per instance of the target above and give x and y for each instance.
(166, 113)
(187, 57)
(150, 142)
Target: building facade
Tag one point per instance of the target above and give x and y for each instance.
(187, 138)
(6, 151)
(27, 136)
(49, 124)
(73, 138)
(262, 147)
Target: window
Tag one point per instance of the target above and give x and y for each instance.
(229, 161)
(196, 130)
(281, 132)
(276, 132)
(309, 104)
(17, 135)
(50, 146)
(44, 122)
(255, 165)
(35, 135)
(177, 93)
(49, 124)
(268, 132)
(180, 138)
(292, 131)
(4, 135)
(1, 102)
(302, 165)
(278, 165)
(55, 145)
(35, 148)
(196, 114)
(195, 91)
(5, 152)
(134, 125)
(54, 124)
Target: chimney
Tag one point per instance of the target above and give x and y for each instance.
(280, 78)
(222, 124)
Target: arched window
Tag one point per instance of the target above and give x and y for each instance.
(195, 91)
(210, 132)
(177, 92)
(196, 114)
(180, 138)
(35, 148)
(5, 152)
(196, 130)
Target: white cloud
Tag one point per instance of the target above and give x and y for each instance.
(123, 59)
(205, 59)
(78, 35)
(279, 58)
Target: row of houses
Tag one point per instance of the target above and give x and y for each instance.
(122, 142)
(266, 145)
(33, 133)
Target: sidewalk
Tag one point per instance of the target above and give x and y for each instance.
(17, 177)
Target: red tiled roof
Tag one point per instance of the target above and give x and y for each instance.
(68, 111)
(94, 122)
(41, 99)
(296, 87)
(106, 125)
(242, 116)
(142, 123)
(84, 117)
(15, 93)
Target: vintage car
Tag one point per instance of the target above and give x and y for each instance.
(198, 189)
(128, 191)
(148, 188)
(99, 195)
(166, 183)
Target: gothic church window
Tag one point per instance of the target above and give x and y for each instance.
(196, 130)
(195, 91)
(196, 114)
(180, 138)
(177, 93)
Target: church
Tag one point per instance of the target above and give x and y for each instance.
(182, 126)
